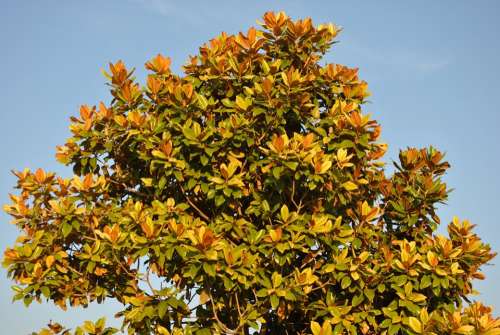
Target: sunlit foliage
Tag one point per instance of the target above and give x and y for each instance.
(246, 196)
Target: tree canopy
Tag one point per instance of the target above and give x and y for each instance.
(246, 196)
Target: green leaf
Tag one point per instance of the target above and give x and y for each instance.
(45, 291)
(346, 281)
(357, 300)
(202, 101)
(291, 165)
(284, 213)
(162, 308)
(277, 279)
(370, 294)
(425, 281)
(66, 229)
(209, 269)
(274, 301)
(393, 329)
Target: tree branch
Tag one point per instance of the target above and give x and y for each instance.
(203, 215)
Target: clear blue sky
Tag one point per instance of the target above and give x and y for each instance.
(432, 66)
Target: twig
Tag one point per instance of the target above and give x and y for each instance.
(74, 270)
(293, 196)
(219, 322)
(203, 215)
(149, 282)
(321, 286)
(122, 266)
(311, 259)
(129, 189)
(238, 306)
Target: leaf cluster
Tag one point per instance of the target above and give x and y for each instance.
(246, 196)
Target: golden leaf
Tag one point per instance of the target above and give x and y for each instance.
(49, 261)
(415, 325)
(350, 186)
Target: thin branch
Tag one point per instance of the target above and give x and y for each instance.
(149, 282)
(322, 285)
(122, 266)
(74, 270)
(203, 215)
(129, 189)
(293, 192)
(311, 259)
(238, 306)
(219, 322)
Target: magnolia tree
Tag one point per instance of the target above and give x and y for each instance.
(246, 196)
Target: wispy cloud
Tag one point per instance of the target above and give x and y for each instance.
(433, 66)
(173, 10)
(414, 60)
(186, 12)
(397, 58)
(162, 7)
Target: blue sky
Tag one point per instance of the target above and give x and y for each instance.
(432, 67)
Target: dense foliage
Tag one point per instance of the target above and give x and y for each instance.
(247, 196)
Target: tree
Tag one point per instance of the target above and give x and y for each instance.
(247, 196)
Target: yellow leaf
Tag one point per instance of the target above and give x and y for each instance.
(495, 331)
(365, 209)
(455, 268)
(148, 227)
(363, 256)
(284, 213)
(170, 202)
(279, 143)
(306, 277)
(275, 234)
(367, 212)
(441, 272)
(417, 297)
(233, 165)
(204, 297)
(325, 166)
(242, 103)
(277, 279)
(424, 315)
(343, 158)
(162, 330)
(159, 64)
(217, 180)
(37, 270)
(100, 271)
(120, 120)
(265, 66)
(432, 259)
(202, 101)
(327, 328)
(415, 325)
(350, 186)
(147, 181)
(285, 78)
(236, 181)
(316, 328)
(49, 261)
(321, 224)
(55, 206)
